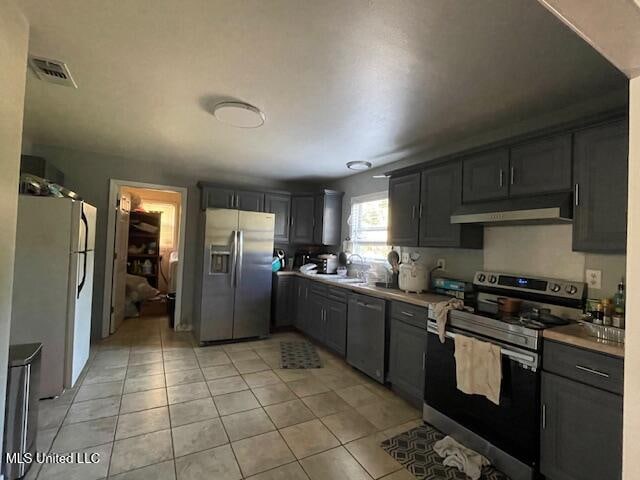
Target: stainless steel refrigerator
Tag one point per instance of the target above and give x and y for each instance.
(53, 285)
(235, 287)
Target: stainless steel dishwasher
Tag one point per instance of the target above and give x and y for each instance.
(366, 335)
(21, 411)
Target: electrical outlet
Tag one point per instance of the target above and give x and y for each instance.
(594, 278)
(405, 257)
(441, 264)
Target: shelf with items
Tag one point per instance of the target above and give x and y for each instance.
(143, 255)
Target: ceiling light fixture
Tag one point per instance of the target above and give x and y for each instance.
(359, 165)
(239, 114)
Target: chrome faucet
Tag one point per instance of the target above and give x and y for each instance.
(359, 272)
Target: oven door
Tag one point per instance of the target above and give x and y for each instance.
(512, 426)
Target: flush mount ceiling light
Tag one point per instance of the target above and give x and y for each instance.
(239, 114)
(358, 165)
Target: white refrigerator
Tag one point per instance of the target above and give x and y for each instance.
(53, 283)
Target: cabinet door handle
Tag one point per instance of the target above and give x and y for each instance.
(544, 416)
(501, 178)
(513, 176)
(424, 360)
(592, 371)
(408, 314)
(576, 194)
(420, 211)
(413, 212)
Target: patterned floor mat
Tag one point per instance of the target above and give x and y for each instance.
(299, 355)
(414, 450)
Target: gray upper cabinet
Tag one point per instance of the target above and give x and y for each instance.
(407, 356)
(404, 199)
(214, 197)
(541, 166)
(581, 434)
(440, 195)
(280, 205)
(316, 219)
(485, 176)
(302, 219)
(249, 201)
(328, 218)
(601, 157)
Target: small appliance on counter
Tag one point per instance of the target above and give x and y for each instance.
(413, 277)
(300, 258)
(327, 263)
(454, 288)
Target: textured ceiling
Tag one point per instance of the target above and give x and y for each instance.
(338, 80)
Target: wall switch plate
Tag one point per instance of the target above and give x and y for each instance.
(594, 278)
(441, 264)
(405, 257)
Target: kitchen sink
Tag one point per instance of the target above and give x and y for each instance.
(602, 332)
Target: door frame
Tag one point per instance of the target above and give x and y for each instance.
(114, 188)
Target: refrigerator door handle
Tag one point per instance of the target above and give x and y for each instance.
(234, 257)
(83, 217)
(240, 234)
(84, 272)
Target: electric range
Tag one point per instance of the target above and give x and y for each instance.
(508, 433)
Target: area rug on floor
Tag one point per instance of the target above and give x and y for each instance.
(414, 450)
(299, 355)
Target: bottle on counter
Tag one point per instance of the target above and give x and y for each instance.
(597, 319)
(619, 306)
(607, 312)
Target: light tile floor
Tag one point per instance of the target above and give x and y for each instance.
(156, 406)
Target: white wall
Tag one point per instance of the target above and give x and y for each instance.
(631, 445)
(14, 38)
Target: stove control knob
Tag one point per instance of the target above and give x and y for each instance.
(493, 279)
(554, 287)
(482, 277)
(571, 289)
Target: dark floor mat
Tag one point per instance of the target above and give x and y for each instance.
(414, 450)
(299, 355)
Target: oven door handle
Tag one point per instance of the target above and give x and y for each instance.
(528, 359)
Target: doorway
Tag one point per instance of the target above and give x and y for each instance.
(144, 263)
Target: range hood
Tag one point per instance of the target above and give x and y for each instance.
(545, 209)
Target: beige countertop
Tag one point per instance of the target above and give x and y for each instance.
(576, 335)
(418, 299)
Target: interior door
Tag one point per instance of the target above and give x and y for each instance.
(253, 274)
(119, 275)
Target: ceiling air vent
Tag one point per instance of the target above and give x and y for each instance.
(52, 71)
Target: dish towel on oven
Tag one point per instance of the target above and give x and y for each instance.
(441, 312)
(460, 457)
(478, 367)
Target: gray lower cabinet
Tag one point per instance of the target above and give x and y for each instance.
(407, 357)
(581, 437)
(284, 300)
(484, 176)
(280, 206)
(315, 317)
(404, 199)
(302, 219)
(301, 304)
(366, 335)
(336, 326)
(601, 157)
